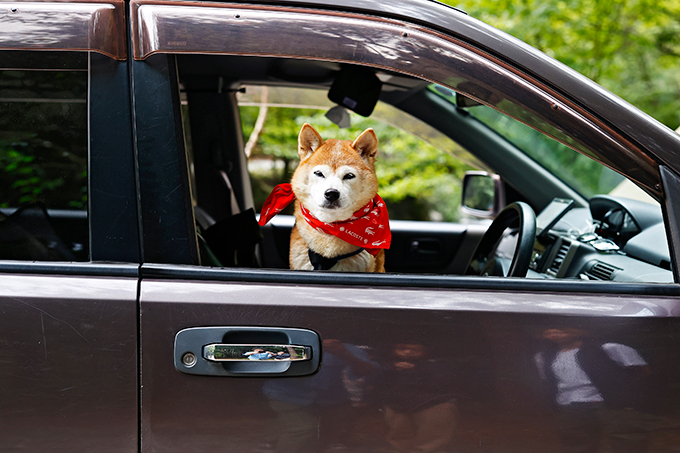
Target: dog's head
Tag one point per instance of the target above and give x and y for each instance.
(335, 178)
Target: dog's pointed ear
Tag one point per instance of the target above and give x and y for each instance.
(366, 144)
(308, 141)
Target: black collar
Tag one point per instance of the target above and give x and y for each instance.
(321, 263)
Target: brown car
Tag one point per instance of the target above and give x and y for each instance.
(144, 309)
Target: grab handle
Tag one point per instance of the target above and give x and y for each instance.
(251, 352)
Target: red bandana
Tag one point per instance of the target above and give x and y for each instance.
(369, 227)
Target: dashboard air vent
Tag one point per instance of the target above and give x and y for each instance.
(559, 258)
(601, 271)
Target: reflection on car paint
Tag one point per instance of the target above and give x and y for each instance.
(598, 390)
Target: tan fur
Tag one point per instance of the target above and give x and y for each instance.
(333, 159)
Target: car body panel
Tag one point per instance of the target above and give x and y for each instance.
(481, 334)
(69, 363)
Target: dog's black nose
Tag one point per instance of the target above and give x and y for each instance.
(332, 195)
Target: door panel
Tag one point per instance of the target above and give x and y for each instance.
(69, 363)
(431, 247)
(399, 367)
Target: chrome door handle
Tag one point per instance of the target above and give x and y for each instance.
(247, 351)
(259, 353)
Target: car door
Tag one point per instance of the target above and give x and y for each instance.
(394, 362)
(69, 252)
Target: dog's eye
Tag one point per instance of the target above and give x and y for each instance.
(319, 174)
(349, 176)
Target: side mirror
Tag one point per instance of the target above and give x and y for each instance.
(483, 194)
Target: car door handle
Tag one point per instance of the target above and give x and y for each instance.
(241, 352)
(247, 351)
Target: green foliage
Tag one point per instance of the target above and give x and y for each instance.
(277, 143)
(29, 176)
(417, 180)
(43, 144)
(280, 138)
(631, 47)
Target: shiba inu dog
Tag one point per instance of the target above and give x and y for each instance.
(341, 223)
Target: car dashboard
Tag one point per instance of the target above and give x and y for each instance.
(614, 239)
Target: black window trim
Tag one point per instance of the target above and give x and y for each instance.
(91, 269)
(367, 280)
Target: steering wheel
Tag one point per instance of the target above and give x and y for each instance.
(520, 218)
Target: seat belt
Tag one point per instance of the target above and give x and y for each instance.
(235, 209)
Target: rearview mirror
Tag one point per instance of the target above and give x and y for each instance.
(483, 194)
